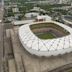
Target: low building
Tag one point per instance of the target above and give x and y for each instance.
(21, 22)
(38, 9)
(31, 14)
(43, 18)
(15, 10)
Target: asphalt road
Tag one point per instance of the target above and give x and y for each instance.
(1, 41)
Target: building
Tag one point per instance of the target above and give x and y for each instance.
(31, 15)
(15, 10)
(64, 1)
(50, 1)
(43, 18)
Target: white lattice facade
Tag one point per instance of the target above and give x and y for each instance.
(49, 47)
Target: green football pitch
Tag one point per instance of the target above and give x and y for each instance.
(46, 36)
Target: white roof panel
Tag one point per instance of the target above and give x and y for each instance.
(49, 46)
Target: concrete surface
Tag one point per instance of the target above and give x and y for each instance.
(32, 63)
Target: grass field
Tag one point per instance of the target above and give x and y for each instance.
(46, 36)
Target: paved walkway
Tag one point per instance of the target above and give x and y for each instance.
(33, 63)
(1, 42)
(1, 46)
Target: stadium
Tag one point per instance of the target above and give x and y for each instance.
(46, 38)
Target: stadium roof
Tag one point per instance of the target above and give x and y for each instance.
(41, 47)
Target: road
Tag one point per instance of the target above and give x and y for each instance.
(1, 39)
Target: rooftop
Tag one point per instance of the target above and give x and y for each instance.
(49, 47)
